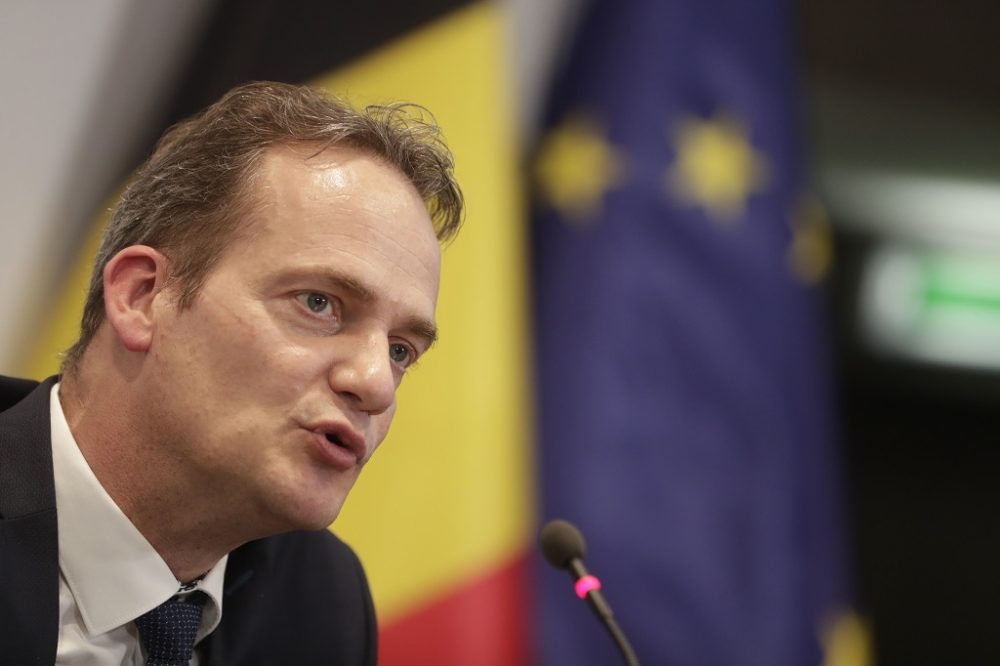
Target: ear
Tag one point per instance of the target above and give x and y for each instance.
(132, 279)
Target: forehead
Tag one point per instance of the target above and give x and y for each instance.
(303, 188)
(346, 209)
(308, 169)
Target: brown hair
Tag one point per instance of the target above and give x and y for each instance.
(188, 198)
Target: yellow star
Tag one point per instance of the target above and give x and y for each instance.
(576, 166)
(810, 254)
(847, 640)
(716, 166)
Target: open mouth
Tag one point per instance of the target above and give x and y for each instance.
(348, 446)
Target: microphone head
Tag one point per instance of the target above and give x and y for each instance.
(561, 542)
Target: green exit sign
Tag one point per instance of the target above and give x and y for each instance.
(933, 305)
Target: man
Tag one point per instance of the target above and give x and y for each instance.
(267, 279)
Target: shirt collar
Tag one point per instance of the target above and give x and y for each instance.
(115, 575)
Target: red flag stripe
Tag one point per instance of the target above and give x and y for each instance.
(499, 636)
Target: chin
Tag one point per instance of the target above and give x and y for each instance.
(286, 513)
(316, 517)
(306, 501)
(321, 523)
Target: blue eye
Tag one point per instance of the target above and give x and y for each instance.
(400, 353)
(316, 302)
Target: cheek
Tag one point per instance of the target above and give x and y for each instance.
(381, 423)
(277, 372)
(242, 357)
(287, 359)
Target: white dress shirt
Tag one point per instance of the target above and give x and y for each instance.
(108, 573)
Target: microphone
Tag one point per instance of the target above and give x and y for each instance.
(564, 548)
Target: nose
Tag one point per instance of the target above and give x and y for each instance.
(363, 373)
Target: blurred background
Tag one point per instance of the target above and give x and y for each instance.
(728, 297)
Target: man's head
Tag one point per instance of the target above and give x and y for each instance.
(270, 275)
(191, 198)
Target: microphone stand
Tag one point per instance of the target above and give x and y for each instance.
(597, 602)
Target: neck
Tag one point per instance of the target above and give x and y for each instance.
(147, 483)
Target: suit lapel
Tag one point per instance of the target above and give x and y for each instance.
(29, 544)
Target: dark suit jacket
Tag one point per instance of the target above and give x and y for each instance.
(298, 598)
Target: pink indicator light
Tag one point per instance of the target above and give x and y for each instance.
(586, 584)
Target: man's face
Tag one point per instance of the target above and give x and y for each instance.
(278, 383)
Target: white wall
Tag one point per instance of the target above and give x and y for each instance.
(78, 80)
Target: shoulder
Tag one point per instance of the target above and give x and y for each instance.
(321, 547)
(13, 390)
(25, 451)
(317, 561)
(322, 568)
(300, 597)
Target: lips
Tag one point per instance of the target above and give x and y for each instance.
(339, 445)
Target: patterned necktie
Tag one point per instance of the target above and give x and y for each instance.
(168, 631)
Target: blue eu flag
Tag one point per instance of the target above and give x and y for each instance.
(684, 406)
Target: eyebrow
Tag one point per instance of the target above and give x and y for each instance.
(361, 292)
